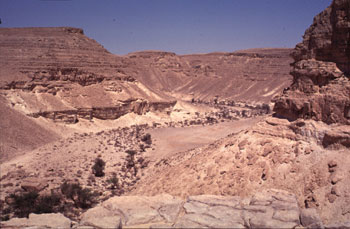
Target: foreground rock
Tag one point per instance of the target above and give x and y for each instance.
(298, 156)
(266, 209)
(53, 220)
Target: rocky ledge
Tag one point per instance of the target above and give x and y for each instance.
(321, 85)
(267, 209)
(136, 106)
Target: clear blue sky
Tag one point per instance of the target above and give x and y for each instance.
(181, 26)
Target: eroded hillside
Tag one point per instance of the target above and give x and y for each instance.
(252, 76)
(304, 148)
(198, 127)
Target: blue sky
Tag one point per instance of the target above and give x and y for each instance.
(180, 26)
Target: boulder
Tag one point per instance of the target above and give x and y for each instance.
(100, 217)
(51, 220)
(310, 219)
(33, 184)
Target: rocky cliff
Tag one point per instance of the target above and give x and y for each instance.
(254, 75)
(61, 74)
(321, 86)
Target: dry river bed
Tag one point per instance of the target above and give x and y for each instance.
(169, 140)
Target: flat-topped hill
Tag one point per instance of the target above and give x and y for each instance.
(26, 51)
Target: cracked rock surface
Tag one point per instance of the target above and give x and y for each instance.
(266, 209)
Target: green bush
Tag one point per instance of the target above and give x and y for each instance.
(82, 197)
(23, 203)
(147, 139)
(114, 181)
(131, 152)
(48, 204)
(98, 167)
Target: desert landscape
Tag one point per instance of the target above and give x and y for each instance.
(255, 138)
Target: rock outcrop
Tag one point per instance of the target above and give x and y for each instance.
(305, 157)
(266, 209)
(321, 85)
(52, 220)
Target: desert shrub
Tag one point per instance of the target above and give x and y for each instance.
(113, 181)
(48, 204)
(4, 217)
(131, 152)
(142, 148)
(31, 202)
(82, 197)
(98, 167)
(23, 203)
(147, 139)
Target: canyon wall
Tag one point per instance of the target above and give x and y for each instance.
(254, 75)
(61, 74)
(321, 86)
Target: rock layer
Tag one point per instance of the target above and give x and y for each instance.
(321, 86)
(254, 75)
(61, 74)
(267, 209)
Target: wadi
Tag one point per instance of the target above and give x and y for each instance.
(256, 138)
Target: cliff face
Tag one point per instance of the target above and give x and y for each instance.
(49, 71)
(321, 86)
(254, 75)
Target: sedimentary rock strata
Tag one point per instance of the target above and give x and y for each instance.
(321, 86)
(254, 75)
(59, 73)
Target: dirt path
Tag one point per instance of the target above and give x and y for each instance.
(171, 140)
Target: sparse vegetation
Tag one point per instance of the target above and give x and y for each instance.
(131, 152)
(48, 203)
(82, 197)
(98, 167)
(147, 139)
(72, 196)
(22, 204)
(31, 202)
(114, 181)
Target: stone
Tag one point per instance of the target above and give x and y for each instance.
(101, 218)
(309, 218)
(205, 221)
(161, 225)
(343, 225)
(19, 222)
(262, 222)
(137, 210)
(33, 185)
(50, 220)
(287, 216)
